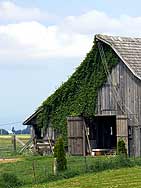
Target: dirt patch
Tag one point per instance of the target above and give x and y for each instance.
(12, 160)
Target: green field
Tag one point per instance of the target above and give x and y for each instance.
(121, 178)
(37, 171)
(43, 165)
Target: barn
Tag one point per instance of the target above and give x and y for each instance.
(100, 103)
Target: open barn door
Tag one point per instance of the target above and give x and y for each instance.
(122, 129)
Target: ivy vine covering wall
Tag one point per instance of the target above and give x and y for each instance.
(79, 94)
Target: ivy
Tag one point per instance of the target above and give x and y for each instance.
(79, 94)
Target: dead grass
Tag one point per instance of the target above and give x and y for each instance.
(9, 160)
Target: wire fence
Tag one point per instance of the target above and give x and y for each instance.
(39, 169)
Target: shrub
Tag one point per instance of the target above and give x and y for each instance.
(60, 155)
(121, 148)
(137, 161)
(9, 180)
(116, 162)
(69, 174)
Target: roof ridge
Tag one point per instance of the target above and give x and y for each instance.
(117, 36)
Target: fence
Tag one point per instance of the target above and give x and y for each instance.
(36, 169)
(10, 144)
(39, 169)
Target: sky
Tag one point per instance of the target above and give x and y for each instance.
(43, 41)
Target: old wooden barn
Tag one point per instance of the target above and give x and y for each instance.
(118, 103)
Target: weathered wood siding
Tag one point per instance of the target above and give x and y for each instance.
(123, 97)
(75, 135)
(122, 129)
(49, 134)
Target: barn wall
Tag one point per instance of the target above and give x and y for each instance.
(49, 134)
(123, 97)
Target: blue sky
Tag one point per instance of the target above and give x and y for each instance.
(43, 41)
(76, 7)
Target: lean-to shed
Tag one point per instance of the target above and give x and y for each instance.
(116, 103)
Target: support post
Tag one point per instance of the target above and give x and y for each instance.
(84, 141)
(89, 145)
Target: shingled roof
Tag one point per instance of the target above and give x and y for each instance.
(128, 49)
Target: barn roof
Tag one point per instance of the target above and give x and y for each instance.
(128, 49)
(30, 118)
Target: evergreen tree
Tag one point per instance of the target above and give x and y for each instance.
(60, 155)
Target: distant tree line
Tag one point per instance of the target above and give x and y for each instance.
(4, 132)
(20, 131)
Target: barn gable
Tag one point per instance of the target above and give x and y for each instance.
(79, 94)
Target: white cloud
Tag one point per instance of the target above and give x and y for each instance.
(91, 22)
(12, 12)
(34, 40)
(99, 22)
(71, 38)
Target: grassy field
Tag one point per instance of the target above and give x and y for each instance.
(121, 178)
(26, 167)
(37, 171)
(6, 146)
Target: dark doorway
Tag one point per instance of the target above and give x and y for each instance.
(102, 132)
(38, 132)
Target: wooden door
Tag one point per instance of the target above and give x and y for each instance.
(75, 135)
(122, 129)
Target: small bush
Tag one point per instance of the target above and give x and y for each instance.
(124, 162)
(60, 155)
(69, 174)
(121, 148)
(111, 163)
(137, 161)
(60, 175)
(9, 180)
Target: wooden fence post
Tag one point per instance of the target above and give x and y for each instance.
(14, 142)
(55, 167)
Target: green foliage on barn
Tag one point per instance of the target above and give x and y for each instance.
(78, 95)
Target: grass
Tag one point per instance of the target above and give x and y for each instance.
(38, 170)
(23, 168)
(22, 136)
(43, 166)
(121, 178)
